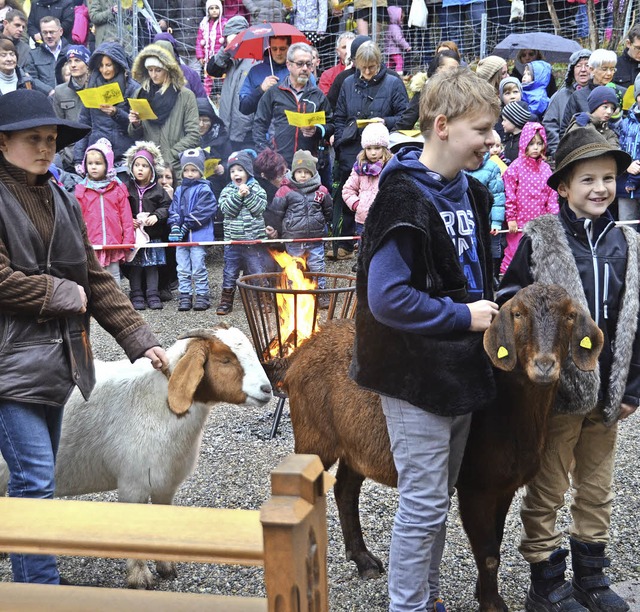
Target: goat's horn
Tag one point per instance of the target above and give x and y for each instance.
(203, 333)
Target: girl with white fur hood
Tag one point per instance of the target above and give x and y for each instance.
(210, 38)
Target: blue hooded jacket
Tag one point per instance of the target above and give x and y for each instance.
(535, 92)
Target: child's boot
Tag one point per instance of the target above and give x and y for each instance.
(137, 300)
(590, 585)
(549, 591)
(201, 302)
(184, 302)
(153, 300)
(226, 302)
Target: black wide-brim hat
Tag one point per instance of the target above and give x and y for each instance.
(584, 143)
(24, 109)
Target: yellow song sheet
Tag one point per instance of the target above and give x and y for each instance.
(210, 166)
(365, 122)
(306, 119)
(410, 133)
(142, 107)
(106, 94)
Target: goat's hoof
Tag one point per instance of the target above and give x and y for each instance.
(166, 570)
(139, 576)
(369, 566)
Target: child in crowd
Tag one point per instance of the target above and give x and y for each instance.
(525, 184)
(510, 90)
(395, 42)
(535, 79)
(490, 175)
(579, 451)
(105, 205)
(514, 116)
(209, 38)
(497, 152)
(602, 103)
(361, 187)
(167, 274)
(214, 141)
(191, 220)
(149, 204)
(243, 203)
(424, 275)
(302, 208)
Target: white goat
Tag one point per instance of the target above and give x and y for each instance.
(141, 430)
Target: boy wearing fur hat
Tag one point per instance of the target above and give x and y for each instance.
(191, 217)
(104, 201)
(578, 249)
(602, 103)
(149, 204)
(242, 202)
(302, 208)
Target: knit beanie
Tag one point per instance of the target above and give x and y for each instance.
(375, 135)
(303, 160)
(509, 81)
(148, 157)
(235, 25)
(601, 95)
(517, 112)
(78, 51)
(103, 146)
(357, 42)
(192, 157)
(489, 66)
(244, 159)
(153, 61)
(210, 3)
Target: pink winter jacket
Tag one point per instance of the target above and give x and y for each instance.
(209, 39)
(359, 192)
(107, 215)
(525, 183)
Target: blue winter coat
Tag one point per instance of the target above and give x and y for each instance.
(195, 206)
(535, 92)
(250, 92)
(114, 129)
(490, 176)
(355, 102)
(628, 131)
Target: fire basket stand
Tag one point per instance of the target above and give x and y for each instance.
(281, 317)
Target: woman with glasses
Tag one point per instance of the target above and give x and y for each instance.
(12, 77)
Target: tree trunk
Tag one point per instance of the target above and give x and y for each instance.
(593, 25)
(619, 13)
(554, 17)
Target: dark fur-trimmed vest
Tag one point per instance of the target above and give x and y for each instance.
(552, 261)
(447, 374)
(57, 348)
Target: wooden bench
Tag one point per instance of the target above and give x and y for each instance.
(288, 535)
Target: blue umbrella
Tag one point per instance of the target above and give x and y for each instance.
(554, 48)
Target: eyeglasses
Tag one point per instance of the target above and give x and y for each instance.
(281, 49)
(303, 64)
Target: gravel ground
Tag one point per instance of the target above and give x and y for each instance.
(233, 472)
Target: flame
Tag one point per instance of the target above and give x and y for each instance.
(298, 325)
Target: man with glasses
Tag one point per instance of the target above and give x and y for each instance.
(13, 27)
(295, 93)
(628, 65)
(602, 67)
(265, 75)
(41, 64)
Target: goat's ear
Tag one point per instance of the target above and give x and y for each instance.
(499, 341)
(586, 342)
(186, 376)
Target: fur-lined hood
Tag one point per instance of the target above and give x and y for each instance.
(140, 74)
(152, 148)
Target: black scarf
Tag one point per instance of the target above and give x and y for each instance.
(161, 103)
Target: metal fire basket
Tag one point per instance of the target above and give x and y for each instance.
(274, 339)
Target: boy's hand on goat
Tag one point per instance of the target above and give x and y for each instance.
(158, 357)
(626, 410)
(482, 313)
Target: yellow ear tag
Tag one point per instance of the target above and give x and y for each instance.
(502, 352)
(586, 343)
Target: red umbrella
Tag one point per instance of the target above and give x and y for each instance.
(253, 42)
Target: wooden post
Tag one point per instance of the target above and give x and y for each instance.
(294, 523)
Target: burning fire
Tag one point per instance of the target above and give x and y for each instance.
(297, 313)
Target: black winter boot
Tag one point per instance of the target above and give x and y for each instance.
(226, 302)
(153, 300)
(590, 585)
(184, 302)
(549, 591)
(137, 300)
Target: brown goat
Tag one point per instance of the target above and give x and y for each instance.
(334, 418)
